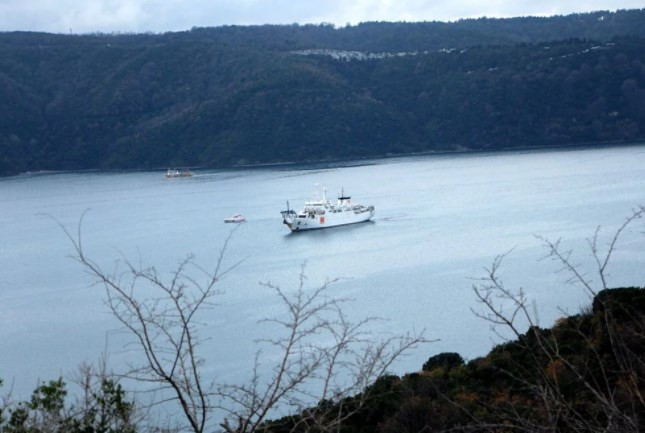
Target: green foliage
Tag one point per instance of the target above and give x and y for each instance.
(446, 360)
(241, 95)
(49, 397)
(106, 410)
(110, 413)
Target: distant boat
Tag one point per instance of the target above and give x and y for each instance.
(237, 218)
(320, 213)
(173, 172)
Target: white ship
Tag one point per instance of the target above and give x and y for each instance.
(320, 213)
(173, 172)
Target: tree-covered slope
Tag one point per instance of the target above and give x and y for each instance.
(240, 95)
(585, 374)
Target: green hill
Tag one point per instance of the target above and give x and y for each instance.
(264, 94)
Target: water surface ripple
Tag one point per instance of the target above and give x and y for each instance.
(439, 221)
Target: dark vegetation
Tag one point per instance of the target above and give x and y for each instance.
(242, 95)
(599, 351)
(597, 376)
(103, 408)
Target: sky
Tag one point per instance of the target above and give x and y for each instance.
(87, 16)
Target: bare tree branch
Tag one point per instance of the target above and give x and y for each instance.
(324, 357)
(623, 373)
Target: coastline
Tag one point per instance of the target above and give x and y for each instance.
(350, 162)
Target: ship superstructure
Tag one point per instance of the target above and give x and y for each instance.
(319, 212)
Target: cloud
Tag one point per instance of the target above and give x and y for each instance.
(104, 15)
(83, 16)
(424, 10)
(62, 15)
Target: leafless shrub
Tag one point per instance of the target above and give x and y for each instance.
(323, 356)
(161, 315)
(613, 384)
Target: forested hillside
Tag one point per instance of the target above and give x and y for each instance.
(585, 374)
(265, 94)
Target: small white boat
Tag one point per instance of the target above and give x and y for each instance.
(320, 213)
(237, 218)
(173, 172)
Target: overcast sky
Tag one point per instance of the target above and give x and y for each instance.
(84, 16)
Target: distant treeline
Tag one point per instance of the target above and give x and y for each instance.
(243, 95)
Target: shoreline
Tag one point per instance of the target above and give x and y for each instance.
(349, 162)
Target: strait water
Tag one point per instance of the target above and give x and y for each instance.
(440, 220)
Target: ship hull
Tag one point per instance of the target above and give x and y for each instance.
(328, 220)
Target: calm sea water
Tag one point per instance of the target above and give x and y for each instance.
(440, 220)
